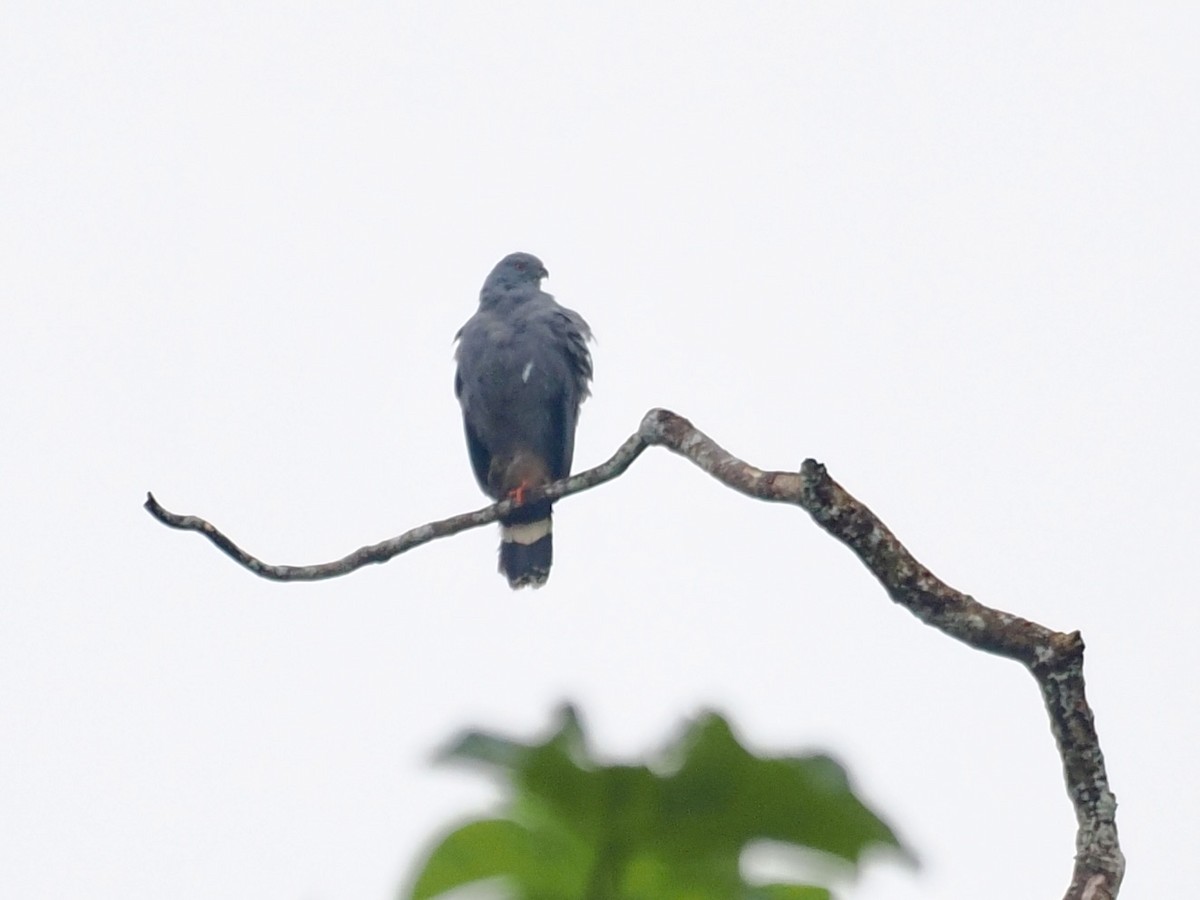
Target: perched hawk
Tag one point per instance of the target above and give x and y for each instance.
(523, 371)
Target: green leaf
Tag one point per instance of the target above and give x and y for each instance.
(723, 796)
(505, 753)
(786, 892)
(485, 849)
(671, 830)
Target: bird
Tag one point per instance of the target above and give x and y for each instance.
(523, 370)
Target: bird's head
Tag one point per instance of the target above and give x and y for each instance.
(515, 270)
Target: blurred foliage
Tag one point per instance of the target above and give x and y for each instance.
(672, 830)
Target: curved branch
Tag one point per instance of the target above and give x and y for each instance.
(414, 537)
(1055, 659)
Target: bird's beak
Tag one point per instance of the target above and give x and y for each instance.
(543, 273)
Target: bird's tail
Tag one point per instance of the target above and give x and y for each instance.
(527, 549)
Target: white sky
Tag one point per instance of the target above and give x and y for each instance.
(950, 251)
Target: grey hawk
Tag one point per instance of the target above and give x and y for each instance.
(523, 371)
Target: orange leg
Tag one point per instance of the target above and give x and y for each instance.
(517, 494)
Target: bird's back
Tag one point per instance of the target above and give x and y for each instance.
(523, 371)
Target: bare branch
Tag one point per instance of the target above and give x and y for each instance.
(1055, 659)
(414, 537)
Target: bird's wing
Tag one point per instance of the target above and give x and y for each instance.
(523, 370)
(574, 365)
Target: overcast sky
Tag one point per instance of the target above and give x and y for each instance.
(948, 250)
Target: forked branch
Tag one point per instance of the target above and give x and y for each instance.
(1054, 658)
